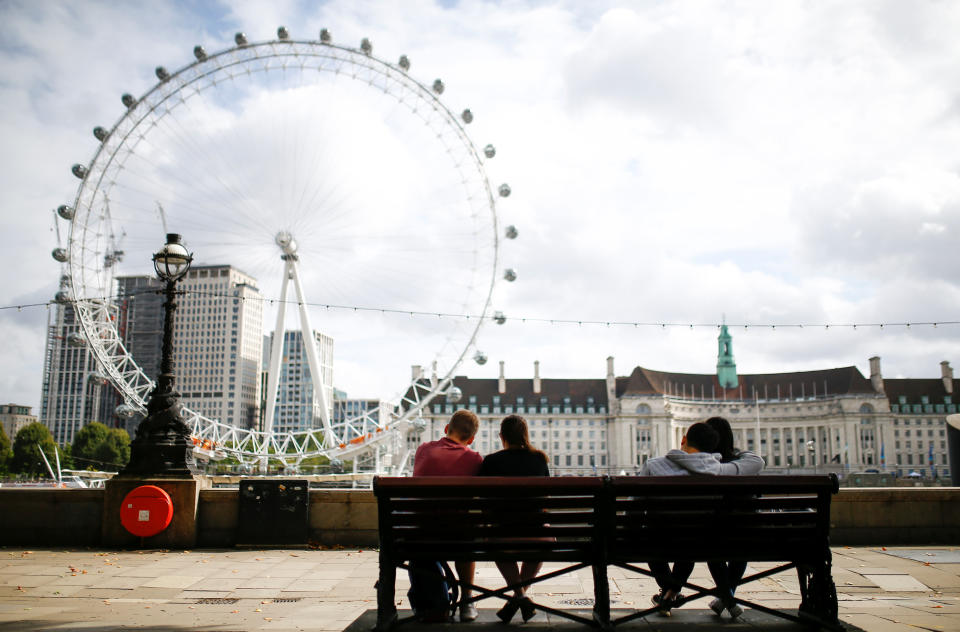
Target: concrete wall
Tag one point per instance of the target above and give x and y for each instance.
(896, 515)
(50, 517)
(72, 517)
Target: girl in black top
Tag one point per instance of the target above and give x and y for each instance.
(518, 458)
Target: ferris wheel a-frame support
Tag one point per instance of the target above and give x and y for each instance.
(290, 271)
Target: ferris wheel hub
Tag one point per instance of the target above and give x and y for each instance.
(286, 242)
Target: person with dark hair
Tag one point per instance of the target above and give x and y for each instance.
(452, 456)
(702, 452)
(695, 456)
(729, 574)
(518, 458)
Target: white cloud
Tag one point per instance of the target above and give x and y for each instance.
(670, 162)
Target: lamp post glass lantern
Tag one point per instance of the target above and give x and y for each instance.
(162, 446)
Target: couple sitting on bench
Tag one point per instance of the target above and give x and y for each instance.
(452, 456)
(698, 453)
(707, 448)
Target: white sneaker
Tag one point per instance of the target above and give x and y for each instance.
(468, 612)
(735, 611)
(717, 606)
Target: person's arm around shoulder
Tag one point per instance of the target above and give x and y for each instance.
(745, 464)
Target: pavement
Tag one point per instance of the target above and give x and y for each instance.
(894, 589)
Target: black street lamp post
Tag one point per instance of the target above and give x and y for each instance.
(162, 446)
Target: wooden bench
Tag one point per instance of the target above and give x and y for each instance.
(624, 521)
(784, 519)
(490, 519)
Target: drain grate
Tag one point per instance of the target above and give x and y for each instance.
(217, 601)
(287, 599)
(581, 602)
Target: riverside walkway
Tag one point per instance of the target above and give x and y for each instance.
(880, 590)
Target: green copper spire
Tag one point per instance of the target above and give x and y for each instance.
(726, 366)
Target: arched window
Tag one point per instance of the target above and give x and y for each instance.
(643, 409)
(867, 409)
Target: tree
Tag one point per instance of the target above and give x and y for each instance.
(87, 441)
(114, 450)
(26, 453)
(6, 453)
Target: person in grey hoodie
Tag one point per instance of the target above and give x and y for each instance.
(695, 456)
(699, 453)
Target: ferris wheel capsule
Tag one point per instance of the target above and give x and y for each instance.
(240, 38)
(454, 394)
(128, 100)
(511, 232)
(510, 275)
(62, 297)
(283, 33)
(79, 170)
(325, 36)
(199, 53)
(99, 378)
(76, 339)
(60, 254)
(504, 190)
(480, 357)
(66, 212)
(125, 411)
(499, 318)
(418, 424)
(100, 133)
(467, 116)
(366, 46)
(489, 151)
(438, 86)
(404, 63)
(162, 73)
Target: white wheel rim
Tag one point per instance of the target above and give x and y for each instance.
(87, 241)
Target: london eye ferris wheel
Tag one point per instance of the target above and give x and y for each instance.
(342, 184)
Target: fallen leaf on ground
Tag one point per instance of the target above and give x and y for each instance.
(258, 610)
(234, 611)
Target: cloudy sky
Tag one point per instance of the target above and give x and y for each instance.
(671, 162)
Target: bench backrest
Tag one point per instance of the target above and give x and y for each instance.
(752, 518)
(490, 518)
(620, 519)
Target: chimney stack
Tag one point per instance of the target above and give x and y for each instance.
(875, 376)
(416, 372)
(612, 403)
(502, 383)
(536, 377)
(946, 372)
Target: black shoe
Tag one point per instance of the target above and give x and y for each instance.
(507, 611)
(527, 609)
(664, 604)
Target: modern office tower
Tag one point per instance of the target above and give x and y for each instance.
(13, 417)
(218, 340)
(297, 407)
(73, 388)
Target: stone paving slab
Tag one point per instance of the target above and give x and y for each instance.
(333, 590)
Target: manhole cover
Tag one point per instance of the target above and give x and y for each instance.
(217, 601)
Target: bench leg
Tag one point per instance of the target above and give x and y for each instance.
(818, 593)
(386, 593)
(601, 596)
